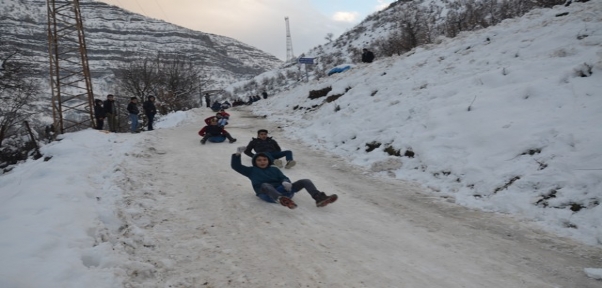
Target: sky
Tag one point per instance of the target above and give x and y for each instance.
(506, 139)
(260, 23)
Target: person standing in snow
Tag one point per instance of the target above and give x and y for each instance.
(99, 114)
(133, 110)
(367, 56)
(111, 112)
(150, 110)
(207, 100)
(271, 185)
(267, 145)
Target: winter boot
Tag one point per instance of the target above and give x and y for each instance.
(322, 199)
(290, 164)
(278, 163)
(232, 140)
(288, 202)
(203, 141)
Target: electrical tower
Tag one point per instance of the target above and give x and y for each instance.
(72, 97)
(290, 56)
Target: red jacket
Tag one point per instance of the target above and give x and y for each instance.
(223, 114)
(212, 130)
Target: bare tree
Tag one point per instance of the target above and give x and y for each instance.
(17, 91)
(173, 79)
(139, 78)
(181, 80)
(329, 37)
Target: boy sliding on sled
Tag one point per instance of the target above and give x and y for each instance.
(269, 146)
(271, 185)
(213, 130)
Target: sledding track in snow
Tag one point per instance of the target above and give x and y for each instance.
(202, 226)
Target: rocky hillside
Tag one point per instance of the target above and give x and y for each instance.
(114, 36)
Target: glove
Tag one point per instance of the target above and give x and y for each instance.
(241, 149)
(288, 186)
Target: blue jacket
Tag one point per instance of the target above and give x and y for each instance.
(258, 176)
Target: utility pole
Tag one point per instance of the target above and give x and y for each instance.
(290, 56)
(72, 97)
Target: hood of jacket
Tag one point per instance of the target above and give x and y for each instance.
(270, 159)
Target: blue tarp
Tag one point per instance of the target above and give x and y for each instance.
(338, 70)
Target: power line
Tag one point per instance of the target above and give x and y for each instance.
(143, 12)
(164, 14)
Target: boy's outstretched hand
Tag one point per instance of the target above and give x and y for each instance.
(240, 149)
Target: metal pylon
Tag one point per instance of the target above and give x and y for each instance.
(290, 56)
(72, 97)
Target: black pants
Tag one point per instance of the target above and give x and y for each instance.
(151, 119)
(225, 134)
(100, 123)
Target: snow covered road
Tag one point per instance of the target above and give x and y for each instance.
(194, 222)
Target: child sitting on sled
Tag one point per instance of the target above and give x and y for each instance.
(213, 130)
(271, 185)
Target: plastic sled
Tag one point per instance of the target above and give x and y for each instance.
(217, 139)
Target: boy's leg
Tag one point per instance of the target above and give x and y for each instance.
(321, 198)
(276, 196)
(151, 118)
(276, 156)
(205, 138)
(111, 122)
(307, 185)
(232, 140)
(133, 122)
(288, 154)
(270, 191)
(289, 158)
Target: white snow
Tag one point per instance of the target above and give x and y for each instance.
(157, 209)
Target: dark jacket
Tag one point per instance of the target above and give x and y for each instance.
(212, 130)
(99, 111)
(133, 108)
(109, 107)
(216, 106)
(271, 175)
(367, 57)
(149, 107)
(267, 145)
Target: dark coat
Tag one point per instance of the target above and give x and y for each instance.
(267, 145)
(149, 107)
(271, 175)
(109, 107)
(133, 108)
(367, 56)
(99, 111)
(216, 106)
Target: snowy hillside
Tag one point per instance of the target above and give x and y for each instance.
(505, 119)
(115, 36)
